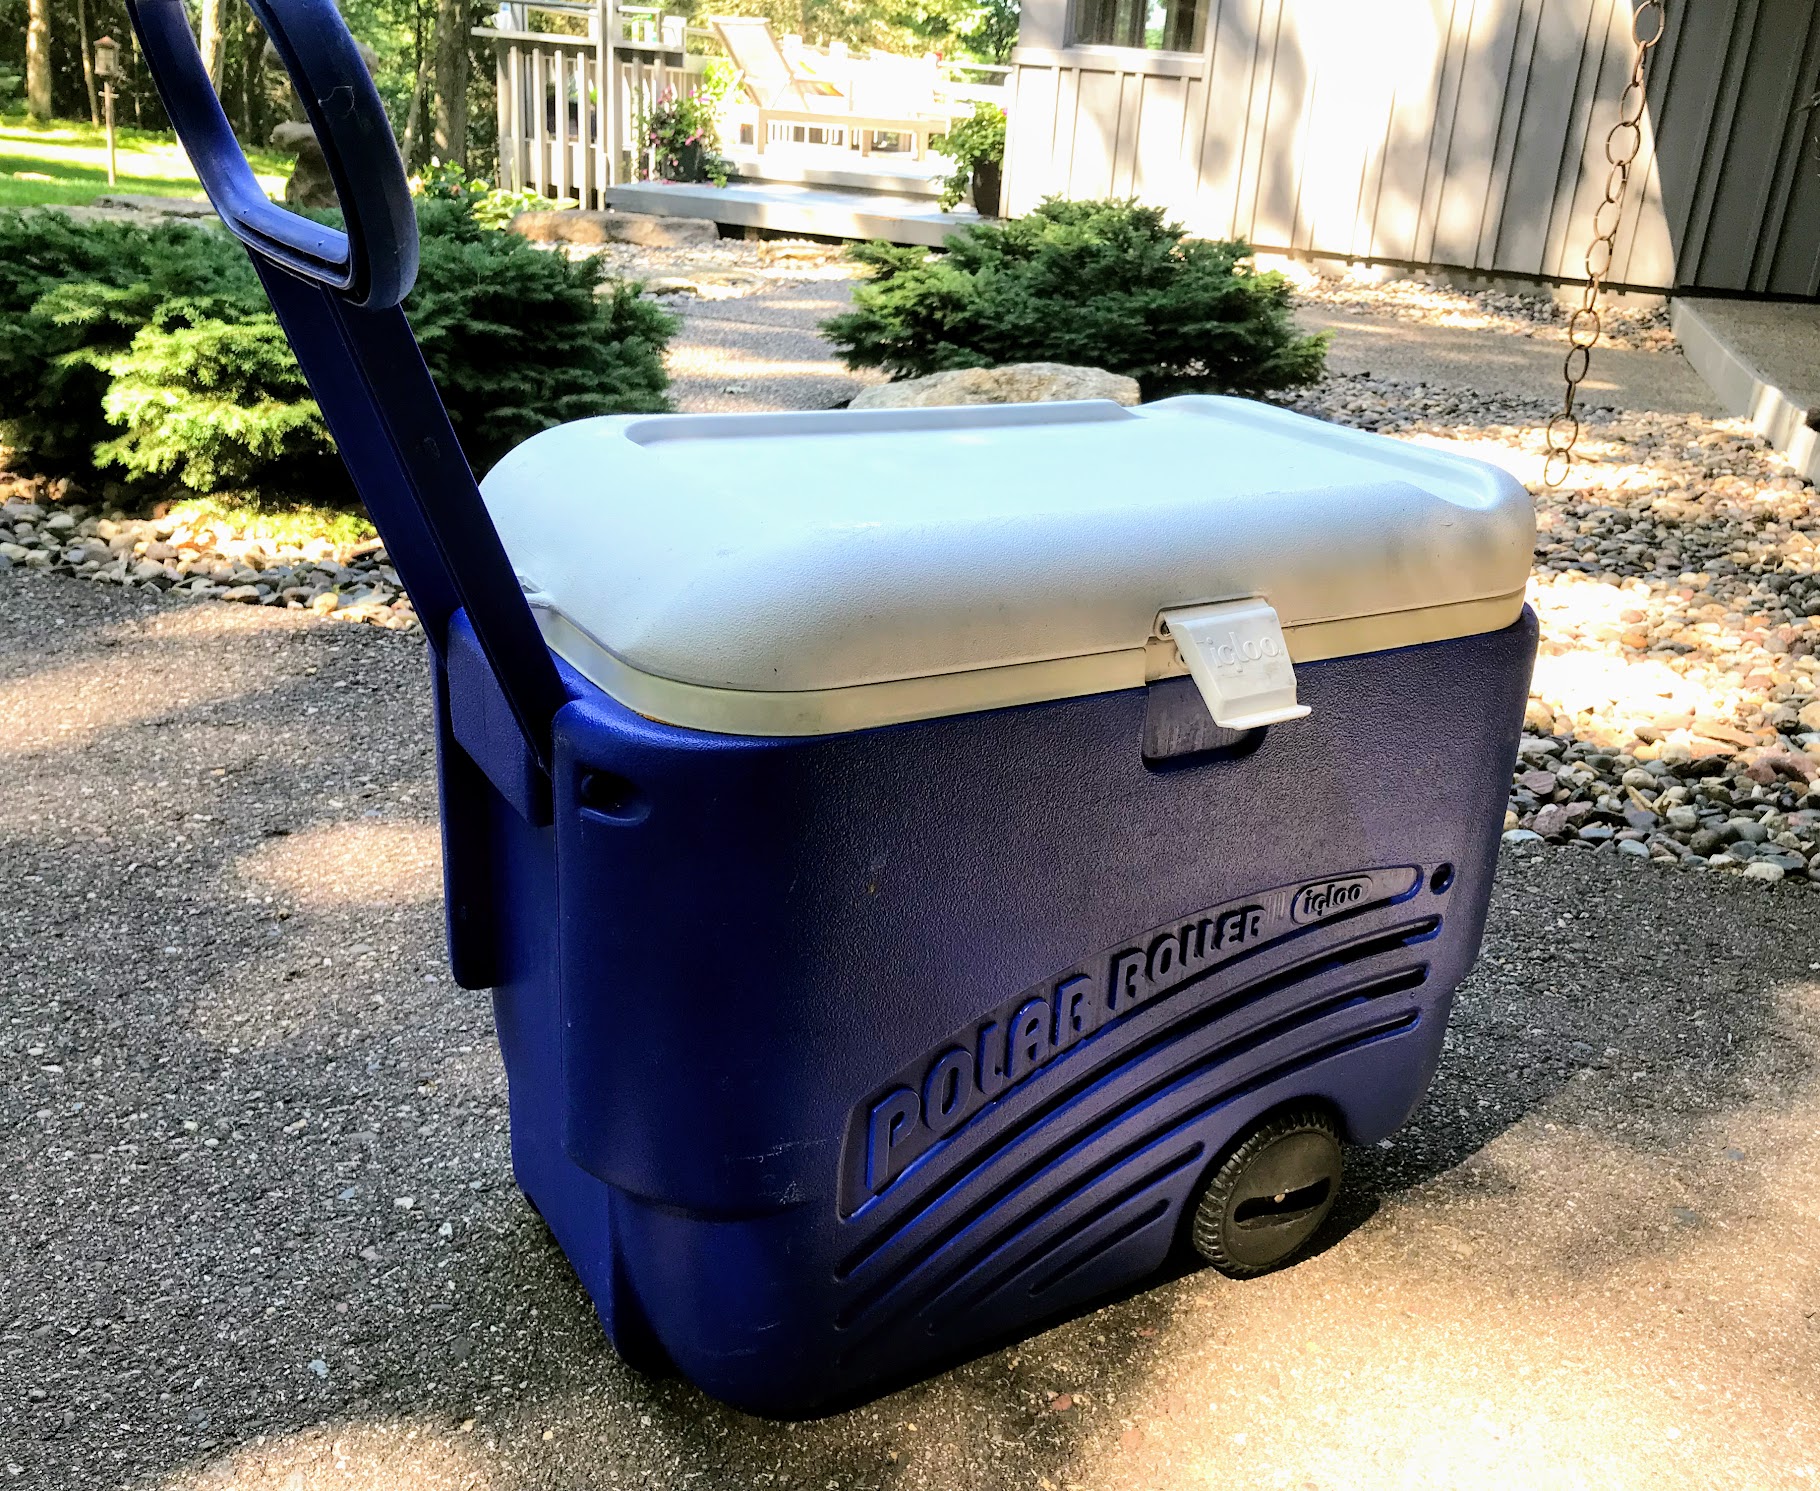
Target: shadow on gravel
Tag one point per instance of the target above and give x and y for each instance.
(260, 1201)
(1688, 1000)
(1612, 1009)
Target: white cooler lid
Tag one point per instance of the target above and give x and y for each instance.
(804, 574)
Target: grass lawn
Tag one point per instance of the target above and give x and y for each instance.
(65, 162)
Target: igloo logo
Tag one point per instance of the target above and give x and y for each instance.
(1327, 898)
(1236, 651)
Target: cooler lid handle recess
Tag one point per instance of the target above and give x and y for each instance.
(1237, 656)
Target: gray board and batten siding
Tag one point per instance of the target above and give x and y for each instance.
(1468, 134)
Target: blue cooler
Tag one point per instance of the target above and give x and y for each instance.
(932, 866)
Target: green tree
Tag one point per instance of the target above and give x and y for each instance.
(904, 26)
(405, 37)
(994, 31)
(452, 17)
(38, 59)
(211, 39)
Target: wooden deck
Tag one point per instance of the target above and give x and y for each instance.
(791, 207)
(570, 105)
(891, 172)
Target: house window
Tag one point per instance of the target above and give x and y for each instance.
(1156, 25)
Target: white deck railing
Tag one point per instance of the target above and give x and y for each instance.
(569, 105)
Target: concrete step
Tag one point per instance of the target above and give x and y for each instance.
(1762, 361)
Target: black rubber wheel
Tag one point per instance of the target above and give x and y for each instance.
(1270, 1194)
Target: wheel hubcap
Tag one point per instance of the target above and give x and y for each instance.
(1282, 1196)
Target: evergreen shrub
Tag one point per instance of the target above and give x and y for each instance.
(153, 354)
(493, 207)
(1110, 284)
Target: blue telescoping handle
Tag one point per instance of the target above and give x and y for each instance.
(374, 262)
(337, 295)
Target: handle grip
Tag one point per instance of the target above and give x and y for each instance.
(338, 296)
(373, 263)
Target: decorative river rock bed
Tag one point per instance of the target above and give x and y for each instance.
(50, 529)
(1676, 709)
(1675, 713)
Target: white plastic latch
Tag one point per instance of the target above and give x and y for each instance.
(1236, 653)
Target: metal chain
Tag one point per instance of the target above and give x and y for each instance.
(1622, 144)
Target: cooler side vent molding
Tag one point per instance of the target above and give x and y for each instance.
(1225, 1025)
(1014, 1064)
(1027, 1211)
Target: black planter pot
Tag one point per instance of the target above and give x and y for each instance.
(987, 178)
(684, 163)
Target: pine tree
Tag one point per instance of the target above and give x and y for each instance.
(153, 352)
(1109, 285)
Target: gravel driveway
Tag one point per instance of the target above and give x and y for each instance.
(1493, 361)
(762, 352)
(260, 1230)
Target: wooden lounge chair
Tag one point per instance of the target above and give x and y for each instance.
(783, 94)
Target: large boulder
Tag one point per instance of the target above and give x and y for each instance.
(159, 207)
(143, 211)
(573, 225)
(1015, 383)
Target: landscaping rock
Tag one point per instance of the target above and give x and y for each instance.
(1015, 383)
(575, 226)
(1677, 578)
(161, 207)
(309, 184)
(704, 284)
(197, 556)
(1642, 325)
(1551, 822)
